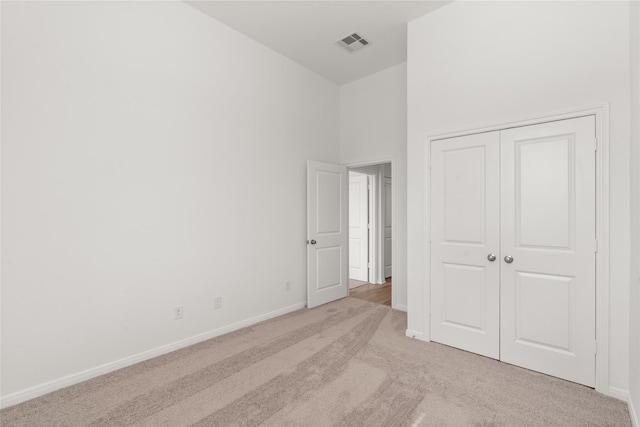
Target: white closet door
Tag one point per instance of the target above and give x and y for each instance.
(548, 228)
(465, 221)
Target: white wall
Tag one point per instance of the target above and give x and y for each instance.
(475, 64)
(634, 308)
(151, 157)
(373, 128)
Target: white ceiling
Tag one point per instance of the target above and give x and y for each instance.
(306, 31)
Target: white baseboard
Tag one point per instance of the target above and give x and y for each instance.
(618, 393)
(48, 387)
(414, 334)
(633, 413)
(400, 307)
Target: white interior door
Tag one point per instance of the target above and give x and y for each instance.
(465, 221)
(327, 233)
(358, 226)
(388, 230)
(548, 228)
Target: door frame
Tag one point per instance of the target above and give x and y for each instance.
(376, 249)
(601, 113)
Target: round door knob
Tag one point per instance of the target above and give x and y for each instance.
(313, 242)
(491, 257)
(508, 259)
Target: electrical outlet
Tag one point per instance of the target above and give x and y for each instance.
(217, 303)
(177, 313)
(287, 286)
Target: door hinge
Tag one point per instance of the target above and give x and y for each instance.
(368, 226)
(595, 346)
(596, 246)
(595, 141)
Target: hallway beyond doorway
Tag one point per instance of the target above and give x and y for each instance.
(379, 294)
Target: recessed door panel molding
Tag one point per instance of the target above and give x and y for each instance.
(327, 233)
(329, 276)
(513, 245)
(465, 191)
(328, 194)
(463, 285)
(553, 295)
(544, 170)
(464, 194)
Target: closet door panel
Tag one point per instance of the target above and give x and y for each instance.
(464, 231)
(548, 230)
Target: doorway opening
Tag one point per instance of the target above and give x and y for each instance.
(370, 233)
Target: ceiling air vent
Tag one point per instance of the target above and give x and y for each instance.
(353, 43)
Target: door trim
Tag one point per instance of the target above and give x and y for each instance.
(601, 113)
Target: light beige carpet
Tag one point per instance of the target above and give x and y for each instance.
(347, 363)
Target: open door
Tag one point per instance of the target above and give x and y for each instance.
(327, 233)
